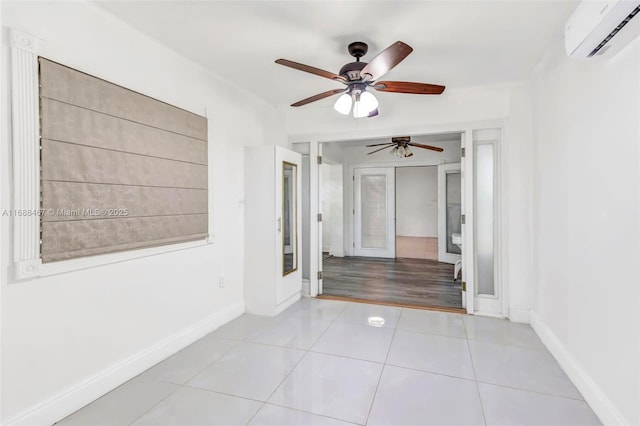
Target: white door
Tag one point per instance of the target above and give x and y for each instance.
(374, 212)
(289, 223)
(449, 213)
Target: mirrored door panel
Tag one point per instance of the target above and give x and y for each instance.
(289, 218)
(449, 213)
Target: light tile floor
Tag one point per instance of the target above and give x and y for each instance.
(321, 362)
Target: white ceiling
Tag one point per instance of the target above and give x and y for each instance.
(456, 43)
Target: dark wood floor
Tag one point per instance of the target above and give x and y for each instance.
(403, 281)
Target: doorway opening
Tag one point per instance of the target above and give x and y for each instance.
(390, 225)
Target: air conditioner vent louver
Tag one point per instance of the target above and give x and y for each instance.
(615, 31)
(601, 28)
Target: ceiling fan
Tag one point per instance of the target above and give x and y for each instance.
(401, 146)
(359, 76)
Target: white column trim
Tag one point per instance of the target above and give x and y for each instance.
(26, 153)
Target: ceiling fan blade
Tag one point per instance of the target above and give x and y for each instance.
(432, 148)
(311, 70)
(380, 144)
(408, 87)
(318, 97)
(380, 149)
(385, 61)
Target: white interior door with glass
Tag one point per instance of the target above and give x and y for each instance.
(374, 212)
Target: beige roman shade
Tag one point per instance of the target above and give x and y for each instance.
(120, 170)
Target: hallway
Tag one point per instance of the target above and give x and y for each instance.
(322, 362)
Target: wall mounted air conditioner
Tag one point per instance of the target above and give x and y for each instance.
(599, 27)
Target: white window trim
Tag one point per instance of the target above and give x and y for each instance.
(25, 109)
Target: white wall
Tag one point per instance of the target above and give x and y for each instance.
(337, 211)
(516, 181)
(417, 201)
(399, 112)
(61, 331)
(332, 209)
(586, 224)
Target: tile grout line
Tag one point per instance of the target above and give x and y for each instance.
(239, 342)
(309, 412)
(475, 376)
(531, 391)
(256, 413)
(384, 365)
(306, 352)
(180, 386)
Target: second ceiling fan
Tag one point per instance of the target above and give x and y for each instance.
(359, 76)
(401, 146)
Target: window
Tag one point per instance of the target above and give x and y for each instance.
(119, 170)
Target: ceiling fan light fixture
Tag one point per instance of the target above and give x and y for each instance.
(365, 103)
(343, 104)
(368, 101)
(358, 110)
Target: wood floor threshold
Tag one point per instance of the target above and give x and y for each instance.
(396, 304)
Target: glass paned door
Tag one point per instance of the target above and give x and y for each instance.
(374, 212)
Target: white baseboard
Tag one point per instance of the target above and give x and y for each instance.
(593, 395)
(290, 301)
(79, 395)
(517, 314)
(336, 253)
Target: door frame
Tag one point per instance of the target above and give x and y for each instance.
(467, 129)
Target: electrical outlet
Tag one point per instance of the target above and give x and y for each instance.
(221, 281)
